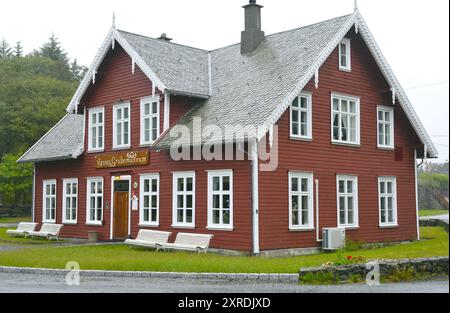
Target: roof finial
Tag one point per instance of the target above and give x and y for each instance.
(356, 5)
(114, 20)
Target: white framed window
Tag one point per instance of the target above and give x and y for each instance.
(387, 194)
(345, 55)
(94, 199)
(301, 117)
(301, 214)
(183, 199)
(220, 199)
(149, 120)
(345, 128)
(121, 126)
(347, 201)
(149, 194)
(96, 129)
(385, 133)
(49, 201)
(70, 200)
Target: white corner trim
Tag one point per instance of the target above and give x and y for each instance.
(90, 75)
(355, 19)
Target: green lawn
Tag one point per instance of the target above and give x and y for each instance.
(20, 240)
(8, 220)
(423, 213)
(120, 257)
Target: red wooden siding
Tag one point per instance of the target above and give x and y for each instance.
(326, 160)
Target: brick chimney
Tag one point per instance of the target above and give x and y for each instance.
(252, 36)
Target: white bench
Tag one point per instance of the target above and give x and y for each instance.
(22, 228)
(149, 238)
(49, 231)
(188, 242)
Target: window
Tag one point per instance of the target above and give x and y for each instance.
(220, 199)
(121, 126)
(301, 117)
(183, 199)
(345, 55)
(49, 201)
(345, 117)
(70, 201)
(149, 213)
(96, 129)
(94, 214)
(300, 201)
(149, 120)
(387, 190)
(347, 201)
(385, 127)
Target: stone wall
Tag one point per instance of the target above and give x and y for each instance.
(433, 266)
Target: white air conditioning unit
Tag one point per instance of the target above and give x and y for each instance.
(333, 238)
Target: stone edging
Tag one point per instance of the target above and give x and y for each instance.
(283, 278)
(433, 222)
(436, 266)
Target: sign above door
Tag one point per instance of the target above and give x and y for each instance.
(122, 159)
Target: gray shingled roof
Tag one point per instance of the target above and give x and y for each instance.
(183, 69)
(247, 88)
(62, 142)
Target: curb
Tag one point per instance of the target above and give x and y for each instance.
(241, 277)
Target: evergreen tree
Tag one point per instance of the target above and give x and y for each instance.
(18, 50)
(52, 50)
(5, 49)
(77, 71)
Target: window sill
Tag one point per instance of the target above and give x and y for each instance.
(346, 144)
(146, 145)
(96, 151)
(49, 222)
(99, 224)
(349, 227)
(344, 69)
(386, 148)
(389, 226)
(300, 138)
(121, 148)
(69, 223)
(148, 225)
(183, 226)
(218, 228)
(301, 229)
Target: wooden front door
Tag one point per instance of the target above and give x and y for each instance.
(121, 214)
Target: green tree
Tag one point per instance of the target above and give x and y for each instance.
(53, 50)
(18, 50)
(15, 181)
(5, 49)
(77, 71)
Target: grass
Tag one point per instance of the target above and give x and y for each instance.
(12, 220)
(423, 213)
(121, 257)
(17, 240)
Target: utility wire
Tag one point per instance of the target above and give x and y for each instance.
(428, 85)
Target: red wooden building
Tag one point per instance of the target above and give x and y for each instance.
(343, 136)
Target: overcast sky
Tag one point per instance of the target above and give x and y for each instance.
(413, 34)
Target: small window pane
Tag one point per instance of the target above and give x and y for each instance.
(226, 183)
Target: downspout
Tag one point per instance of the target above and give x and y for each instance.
(416, 168)
(317, 213)
(33, 194)
(255, 196)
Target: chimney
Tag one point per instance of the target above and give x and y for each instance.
(164, 37)
(252, 36)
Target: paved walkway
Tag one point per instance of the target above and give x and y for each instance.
(24, 283)
(443, 217)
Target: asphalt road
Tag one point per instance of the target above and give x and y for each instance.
(25, 283)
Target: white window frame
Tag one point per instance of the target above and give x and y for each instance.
(95, 111)
(67, 219)
(348, 55)
(341, 113)
(50, 196)
(175, 192)
(150, 116)
(150, 194)
(346, 195)
(220, 193)
(94, 222)
(116, 107)
(385, 124)
(301, 110)
(386, 195)
(299, 193)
